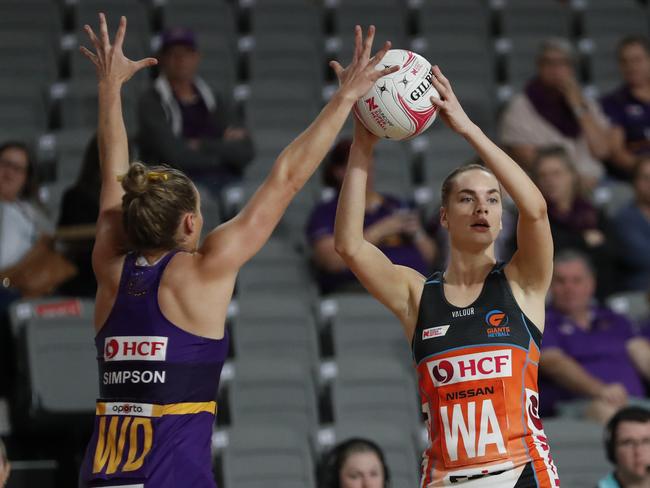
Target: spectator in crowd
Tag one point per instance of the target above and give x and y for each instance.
(627, 445)
(184, 123)
(552, 110)
(589, 351)
(355, 463)
(22, 222)
(632, 226)
(390, 223)
(628, 107)
(22, 219)
(5, 465)
(575, 222)
(76, 226)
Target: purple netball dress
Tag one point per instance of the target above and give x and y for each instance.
(157, 383)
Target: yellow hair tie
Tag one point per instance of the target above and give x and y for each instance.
(157, 175)
(151, 176)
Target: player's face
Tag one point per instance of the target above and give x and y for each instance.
(634, 62)
(642, 184)
(573, 286)
(473, 213)
(362, 470)
(554, 68)
(632, 449)
(555, 180)
(180, 63)
(13, 173)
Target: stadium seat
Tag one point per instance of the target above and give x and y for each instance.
(633, 304)
(577, 450)
(292, 337)
(375, 387)
(60, 353)
(614, 18)
(461, 19)
(368, 336)
(70, 147)
(532, 18)
(395, 441)
(268, 456)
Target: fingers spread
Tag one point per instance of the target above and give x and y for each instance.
(385, 71)
(89, 55)
(92, 36)
(103, 31)
(146, 63)
(358, 47)
(437, 102)
(367, 44)
(338, 69)
(381, 53)
(121, 31)
(438, 74)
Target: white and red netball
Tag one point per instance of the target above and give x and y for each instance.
(398, 106)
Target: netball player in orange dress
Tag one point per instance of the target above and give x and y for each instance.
(475, 328)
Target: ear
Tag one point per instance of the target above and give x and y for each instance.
(189, 223)
(444, 221)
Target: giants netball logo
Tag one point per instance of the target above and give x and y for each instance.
(497, 322)
(468, 367)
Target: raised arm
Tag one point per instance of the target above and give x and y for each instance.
(398, 287)
(230, 245)
(532, 265)
(113, 70)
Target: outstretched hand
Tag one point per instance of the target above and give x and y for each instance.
(111, 63)
(358, 77)
(448, 105)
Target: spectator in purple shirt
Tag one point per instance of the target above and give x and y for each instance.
(185, 124)
(632, 226)
(628, 107)
(589, 352)
(390, 223)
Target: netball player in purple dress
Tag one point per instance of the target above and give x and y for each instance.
(162, 295)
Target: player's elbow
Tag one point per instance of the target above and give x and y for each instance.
(346, 247)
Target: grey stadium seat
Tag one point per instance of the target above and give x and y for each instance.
(461, 18)
(396, 442)
(614, 17)
(292, 337)
(377, 388)
(60, 354)
(267, 456)
(526, 18)
(49, 308)
(577, 450)
(353, 336)
(70, 147)
(633, 304)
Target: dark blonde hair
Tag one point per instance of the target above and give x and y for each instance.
(448, 183)
(155, 199)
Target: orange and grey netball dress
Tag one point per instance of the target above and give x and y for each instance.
(477, 373)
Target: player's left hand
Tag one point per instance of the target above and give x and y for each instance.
(448, 105)
(111, 63)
